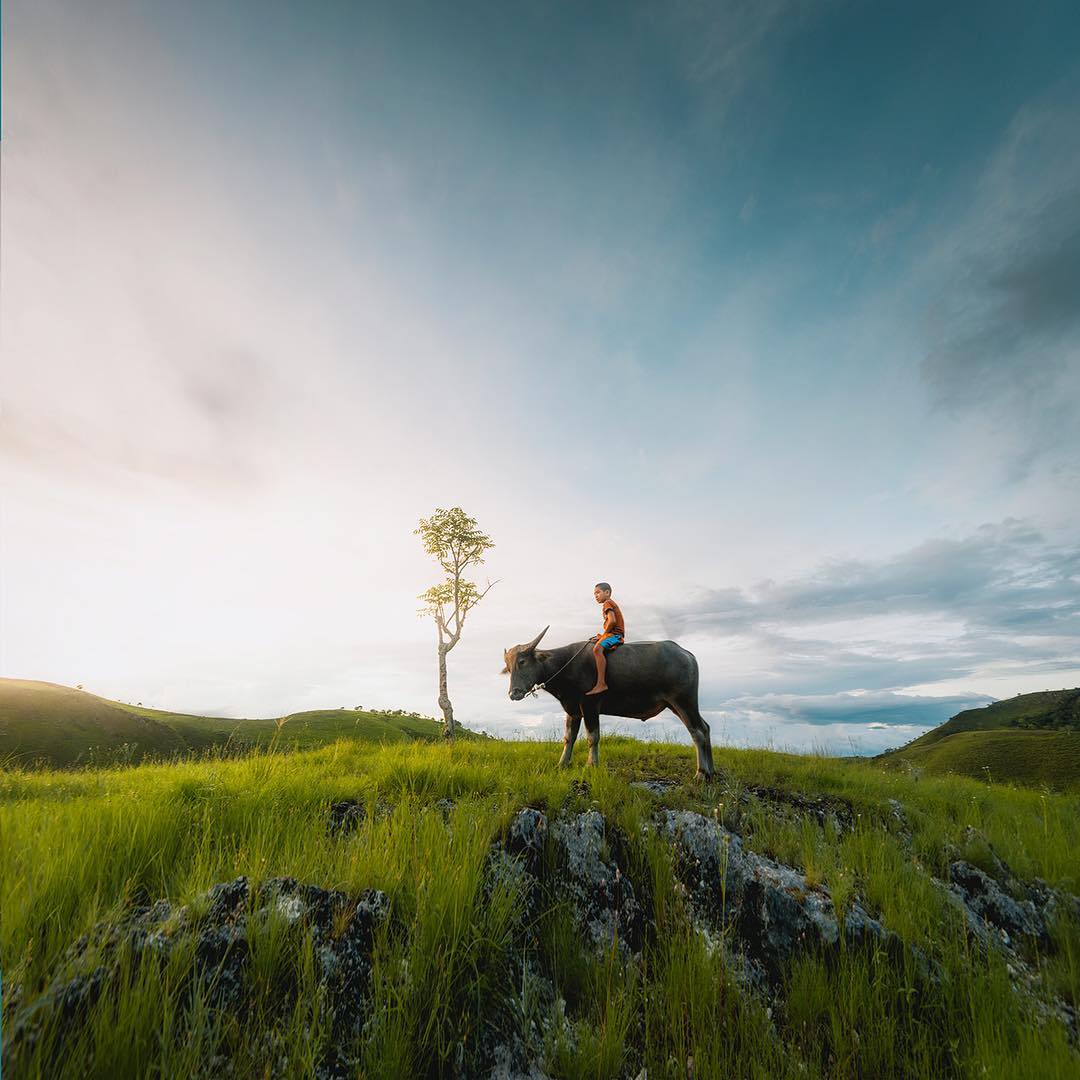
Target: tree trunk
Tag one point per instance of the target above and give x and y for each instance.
(444, 697)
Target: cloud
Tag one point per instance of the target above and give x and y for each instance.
(877, 710)
(1003, 596)
(1002, 576)
(1004, 334)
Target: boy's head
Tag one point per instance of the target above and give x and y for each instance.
(602, 591)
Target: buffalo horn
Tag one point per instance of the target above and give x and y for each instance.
(535, 641)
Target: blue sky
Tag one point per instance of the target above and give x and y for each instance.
(765, 312)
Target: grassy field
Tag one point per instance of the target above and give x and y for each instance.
(59, 726)
(1031, 739)
(1034, 758)
(79, 845)
(1045, 709)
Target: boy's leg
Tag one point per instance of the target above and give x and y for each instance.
(601, 670)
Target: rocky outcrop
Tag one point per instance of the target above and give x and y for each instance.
(987, 904)
(593, 863)
(770, 910)
(341, 929)
(512, 1035)
(581, 859)
(821, 809)
(345, 816)
(1013, 916)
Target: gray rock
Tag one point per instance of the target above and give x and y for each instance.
(527, 837)
(516, 1024)
(593, 876)
(988, 902)
(341, 927)
(655, 787)
(768, 907)
(345, 816)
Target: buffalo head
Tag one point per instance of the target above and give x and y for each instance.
(523, 667)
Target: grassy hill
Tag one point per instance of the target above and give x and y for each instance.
(1031, 739)
(1033, 758)
(1046, 709)
(42, 723)
(471, 960)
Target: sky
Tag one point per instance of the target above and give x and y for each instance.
(767, 313)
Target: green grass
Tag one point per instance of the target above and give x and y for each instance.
(1044, 709)
(78, 844)
(1031, 739)
(43, 724)
(1033, 758)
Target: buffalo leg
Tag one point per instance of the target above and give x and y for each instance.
(573, 726)
(699, 732)
(592, 729)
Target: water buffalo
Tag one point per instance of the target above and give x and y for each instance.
(645, 677)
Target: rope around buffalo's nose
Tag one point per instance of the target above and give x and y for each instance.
(542, 685)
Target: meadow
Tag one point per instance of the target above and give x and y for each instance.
(1038, 759)
(44, 724)
(82, 846)
(1031, 739)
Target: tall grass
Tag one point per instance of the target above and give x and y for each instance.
(80, 846)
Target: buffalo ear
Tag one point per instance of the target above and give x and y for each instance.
(535, 641)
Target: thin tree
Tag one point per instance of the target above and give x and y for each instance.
(456, 543)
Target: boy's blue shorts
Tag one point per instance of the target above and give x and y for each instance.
(609, 641)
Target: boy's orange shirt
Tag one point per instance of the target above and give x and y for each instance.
(617, 626)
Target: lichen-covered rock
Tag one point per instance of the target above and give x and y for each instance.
(987, 902)
(659, 787)
(770, 908)
(896, 822)
(519, 864)
(507, 1068)
(345, 816)
(527, 836)
(341, 928)
(516, 1027)
(1049, 902)
(1012, 916)
(593, 875)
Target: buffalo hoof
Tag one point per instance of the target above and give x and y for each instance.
(704, 777)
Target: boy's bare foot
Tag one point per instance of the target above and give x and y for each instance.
(596, 690)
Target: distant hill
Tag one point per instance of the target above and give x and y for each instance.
(1029, 739)
(45, 723)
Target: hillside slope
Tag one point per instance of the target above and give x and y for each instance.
(1033, 758)
(44, 723)
(1046, 709)
(1031, 739)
